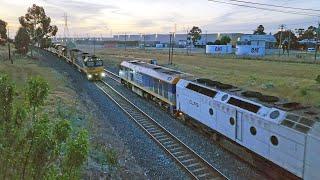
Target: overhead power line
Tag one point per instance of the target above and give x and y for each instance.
(278, 6)
(267, 9)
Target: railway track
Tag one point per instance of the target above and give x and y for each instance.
(194, 164)
(112, 75)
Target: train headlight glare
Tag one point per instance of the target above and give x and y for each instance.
(89, 76)
(103, 74)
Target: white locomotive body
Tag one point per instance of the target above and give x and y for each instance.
(287, 140)
(284, 133)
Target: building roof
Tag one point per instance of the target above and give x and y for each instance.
(252, 37)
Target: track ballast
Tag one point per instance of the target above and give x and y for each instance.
(189, 160)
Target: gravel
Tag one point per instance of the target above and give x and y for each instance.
(223, 160)
(155, 162)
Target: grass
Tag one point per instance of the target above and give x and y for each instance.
(25, 67)
(290, 80)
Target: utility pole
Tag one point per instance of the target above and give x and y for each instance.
(144, 41)
(206, 42)
(125, 41)
(9, 48)
(289, 43)
(318, 32)
(280, 43)
(66, 29)
(172, 46)
(187, 42)
(94, 46)
(170, 36)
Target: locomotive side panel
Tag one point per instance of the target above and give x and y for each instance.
(254, 137)
(196, 105)
(312, 162)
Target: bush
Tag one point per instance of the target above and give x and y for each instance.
(303, 92)
(318, 79)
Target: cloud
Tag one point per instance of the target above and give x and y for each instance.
(80, 7)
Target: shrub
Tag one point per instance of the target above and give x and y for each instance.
(318, 79)
(303, 92)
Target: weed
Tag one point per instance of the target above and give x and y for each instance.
(318, 79)
(303, 92)
(111, 157)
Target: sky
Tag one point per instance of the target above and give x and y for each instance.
(112, 17)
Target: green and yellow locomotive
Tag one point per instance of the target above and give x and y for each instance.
(89, 64)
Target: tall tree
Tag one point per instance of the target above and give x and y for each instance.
(259, 30)
(194, 34)
(37, 24)
(22, 40)
(287, 36)
(225, 40)
(3, 32)
(38, 148)
(310, 33)
(217, 42)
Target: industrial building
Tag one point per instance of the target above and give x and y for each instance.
(267, 41)
(180, 40)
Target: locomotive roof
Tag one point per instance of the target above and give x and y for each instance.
(300, 118)
(159, 72)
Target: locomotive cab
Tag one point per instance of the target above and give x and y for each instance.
(94, 68)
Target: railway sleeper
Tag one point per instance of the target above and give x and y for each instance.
(193, 165)
(172, 145)
(183, 156)
(188, 160)
(161, 136)
(166, 140)
(199, 170)
(176, 148)
(203, 175)
(157, 132)
(150, 127)
(179, 152)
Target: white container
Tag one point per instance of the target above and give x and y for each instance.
(218, 49)
(159, 45)
(250, 50)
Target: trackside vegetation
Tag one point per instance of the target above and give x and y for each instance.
(32, 145)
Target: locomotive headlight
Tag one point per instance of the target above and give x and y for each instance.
(103, 74)
(89, 76)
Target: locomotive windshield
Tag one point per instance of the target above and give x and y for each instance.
(99, 62)
(90, 63)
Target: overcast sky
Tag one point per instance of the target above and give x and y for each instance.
(103, 17)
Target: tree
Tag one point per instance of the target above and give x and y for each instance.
(287, 36)
(6, 98)
(22, 40)
(36, 148)
(217, 42)
(77, 153)
(225, 40)
(259, 30)
(194, 34)
(45, 42)
(3, 32)
(310, 33)
(37, 24)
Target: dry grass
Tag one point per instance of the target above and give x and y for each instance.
(23, 68)
(291, 80)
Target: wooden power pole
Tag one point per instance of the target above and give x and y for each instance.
(9, 48)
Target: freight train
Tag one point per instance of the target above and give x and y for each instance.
(280, 133)
(90, 65)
